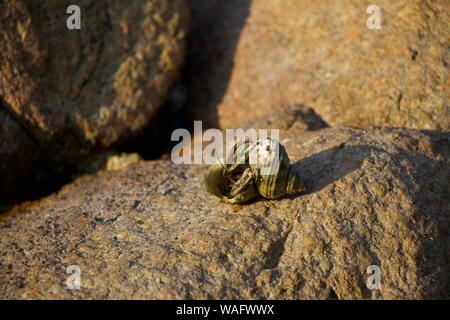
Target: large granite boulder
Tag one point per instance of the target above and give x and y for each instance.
(75, 91)
(248, 58)
(375, 197)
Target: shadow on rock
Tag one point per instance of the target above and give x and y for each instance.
(215, 30)
(429, 198)
(319, 170)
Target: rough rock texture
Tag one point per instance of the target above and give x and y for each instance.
(322, 55)
(375, 197)
(78, 89)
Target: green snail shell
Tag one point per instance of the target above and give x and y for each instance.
(258, 168)
(277, 177)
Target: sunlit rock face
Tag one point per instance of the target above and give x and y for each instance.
(376, 197)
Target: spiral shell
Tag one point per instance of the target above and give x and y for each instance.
(259, 168)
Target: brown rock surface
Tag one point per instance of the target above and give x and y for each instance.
(75, 89)
(322, 55)
(375, 197)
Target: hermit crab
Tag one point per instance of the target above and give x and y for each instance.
(259, 168)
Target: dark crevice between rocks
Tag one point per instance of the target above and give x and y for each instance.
(47, 177)
(24, 182)
(154, 140)
(13, 115)
(43, 180)
(332, 295)
(214, 34)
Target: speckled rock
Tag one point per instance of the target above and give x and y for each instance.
(375, 197)
(322, 55)
(75, 90)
